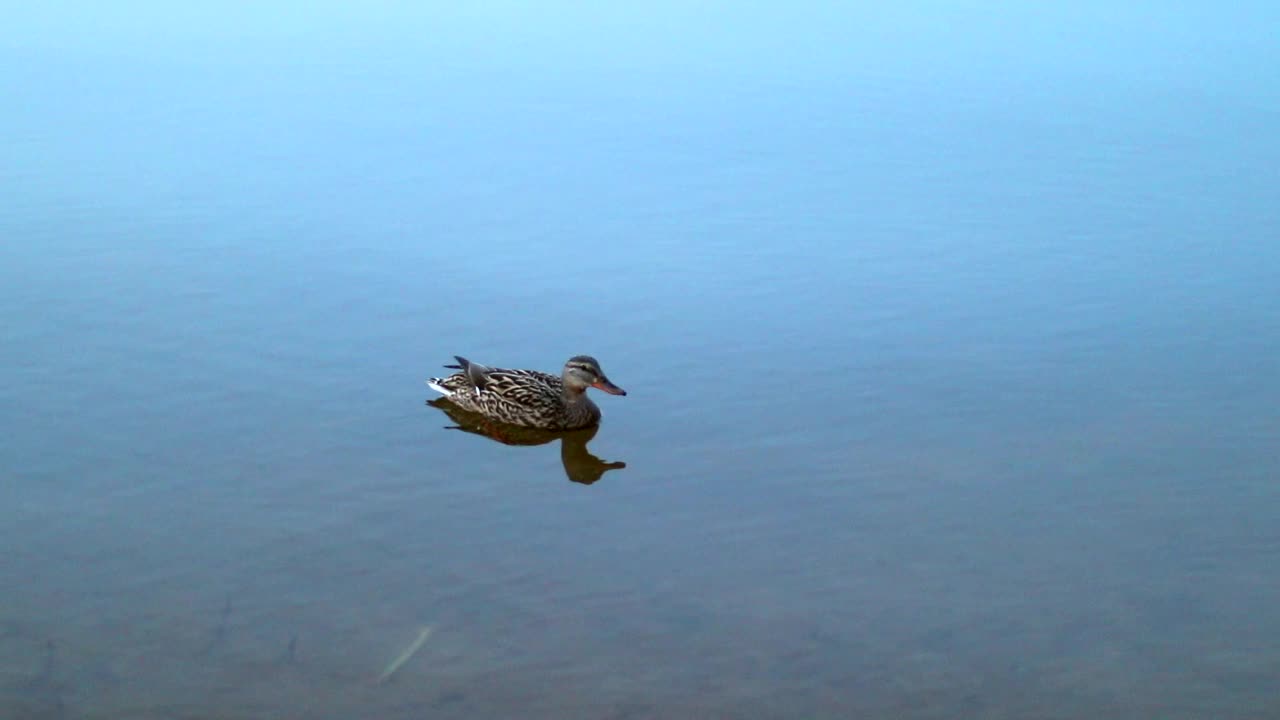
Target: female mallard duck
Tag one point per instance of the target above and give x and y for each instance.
(528, 397)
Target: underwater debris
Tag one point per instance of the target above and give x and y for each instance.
(219, 632)
(404, 656)
(43, 692)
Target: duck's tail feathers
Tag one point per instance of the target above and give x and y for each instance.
(434, 384)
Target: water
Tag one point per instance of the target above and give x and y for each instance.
(950, 363)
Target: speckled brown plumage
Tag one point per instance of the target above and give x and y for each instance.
(528, 397)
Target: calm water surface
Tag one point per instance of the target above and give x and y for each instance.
(952, 382)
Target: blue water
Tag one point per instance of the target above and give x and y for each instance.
(949, 337)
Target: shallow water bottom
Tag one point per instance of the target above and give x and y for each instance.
(939, 651)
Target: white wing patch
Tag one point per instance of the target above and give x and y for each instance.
(434, 384)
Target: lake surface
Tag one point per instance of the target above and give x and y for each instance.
(951, 364)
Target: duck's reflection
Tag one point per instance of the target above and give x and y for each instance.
(579, 464)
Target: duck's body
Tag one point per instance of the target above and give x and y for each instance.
(528, 398)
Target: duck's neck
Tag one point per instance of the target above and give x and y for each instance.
(579, 406)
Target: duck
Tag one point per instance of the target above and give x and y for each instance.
(528, 398)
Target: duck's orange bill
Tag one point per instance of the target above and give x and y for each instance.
(608, 387)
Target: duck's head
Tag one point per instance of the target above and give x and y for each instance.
(583, 371)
